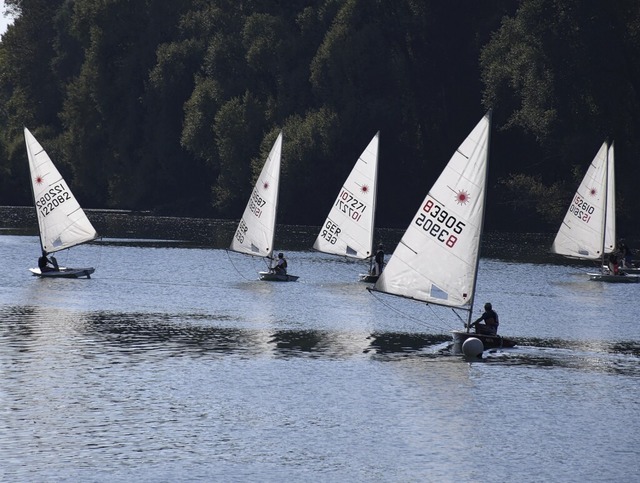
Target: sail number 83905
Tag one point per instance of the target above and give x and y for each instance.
(440, 224)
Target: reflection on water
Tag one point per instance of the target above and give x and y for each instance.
(144, 336)
(173, 363)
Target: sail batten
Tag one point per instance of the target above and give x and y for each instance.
(62, 223)
(436, 260)
(348, 228)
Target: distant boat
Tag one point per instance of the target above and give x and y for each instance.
(62, 223)
(588, 231)
(255, 233)
(348, 229)
(437, 259)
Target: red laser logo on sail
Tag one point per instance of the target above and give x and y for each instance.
(265, 185)
(364, 188)
(39, 180)
(462, 197)
(593, 191)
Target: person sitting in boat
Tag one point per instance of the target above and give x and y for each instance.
(625, 254)
(490, 318)
(281, 265)
(379, 260)
(46, 264)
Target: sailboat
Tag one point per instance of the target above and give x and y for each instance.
(256, 230)
(62, 223)
(348, 229)
(437, 258)
(588, 231)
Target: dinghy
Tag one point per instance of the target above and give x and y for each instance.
(62, 223)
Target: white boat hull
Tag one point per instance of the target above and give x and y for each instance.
(64, 272)
(488, 341)
(277, 277)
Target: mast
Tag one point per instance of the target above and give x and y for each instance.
(33, 194)
(275, 204)
(606, 201)
(375, 195)
(484, 204)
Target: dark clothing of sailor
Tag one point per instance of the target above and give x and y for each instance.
(43, 264)
(490, 318)
(281, 265)
(379, 261)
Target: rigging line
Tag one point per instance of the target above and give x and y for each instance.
(234, 265)
(421, 322)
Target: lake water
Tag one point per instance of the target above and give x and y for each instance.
(173, 363)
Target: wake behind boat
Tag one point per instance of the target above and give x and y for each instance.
(62, 223)
(437, 258)
(255, 233)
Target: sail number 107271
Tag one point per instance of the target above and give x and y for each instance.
(439, 223)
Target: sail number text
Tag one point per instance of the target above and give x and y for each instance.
(241, 231)
(581, 209)
(438, 223)
(256, 202)
(330, 232)
(53, 198)
(350, 205)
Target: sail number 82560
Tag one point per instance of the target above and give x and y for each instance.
(440, 224)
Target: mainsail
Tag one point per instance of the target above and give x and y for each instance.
(436, 260)
(589, 224)
(61, 221)
(255, 232)
(348, 229)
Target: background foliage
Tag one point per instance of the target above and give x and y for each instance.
(173, 106)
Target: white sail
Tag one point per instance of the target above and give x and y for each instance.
(610, 217)
(437, 259)
(61, 221)
(348, 230)
(255, 232)
(583, 229)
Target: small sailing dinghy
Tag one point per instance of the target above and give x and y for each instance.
(62, 223)
(588, 231)
(255, 233)
(437, 258)
(348, 229)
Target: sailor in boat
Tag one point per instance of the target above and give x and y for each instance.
(490, 319)
(626, 255)
(47, 264)
(281, 265)
(379, 260)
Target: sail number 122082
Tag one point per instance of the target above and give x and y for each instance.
(440, 224)
(51, 199)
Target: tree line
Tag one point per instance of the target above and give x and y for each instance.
(173, 106)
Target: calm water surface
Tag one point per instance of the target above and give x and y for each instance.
(173, 363)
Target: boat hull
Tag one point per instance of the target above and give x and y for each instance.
(488, 341)
(366, 278)
(631, 270)
(64, 272)
(609, 278)
(277, 277)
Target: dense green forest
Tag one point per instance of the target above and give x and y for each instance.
(172, 106)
